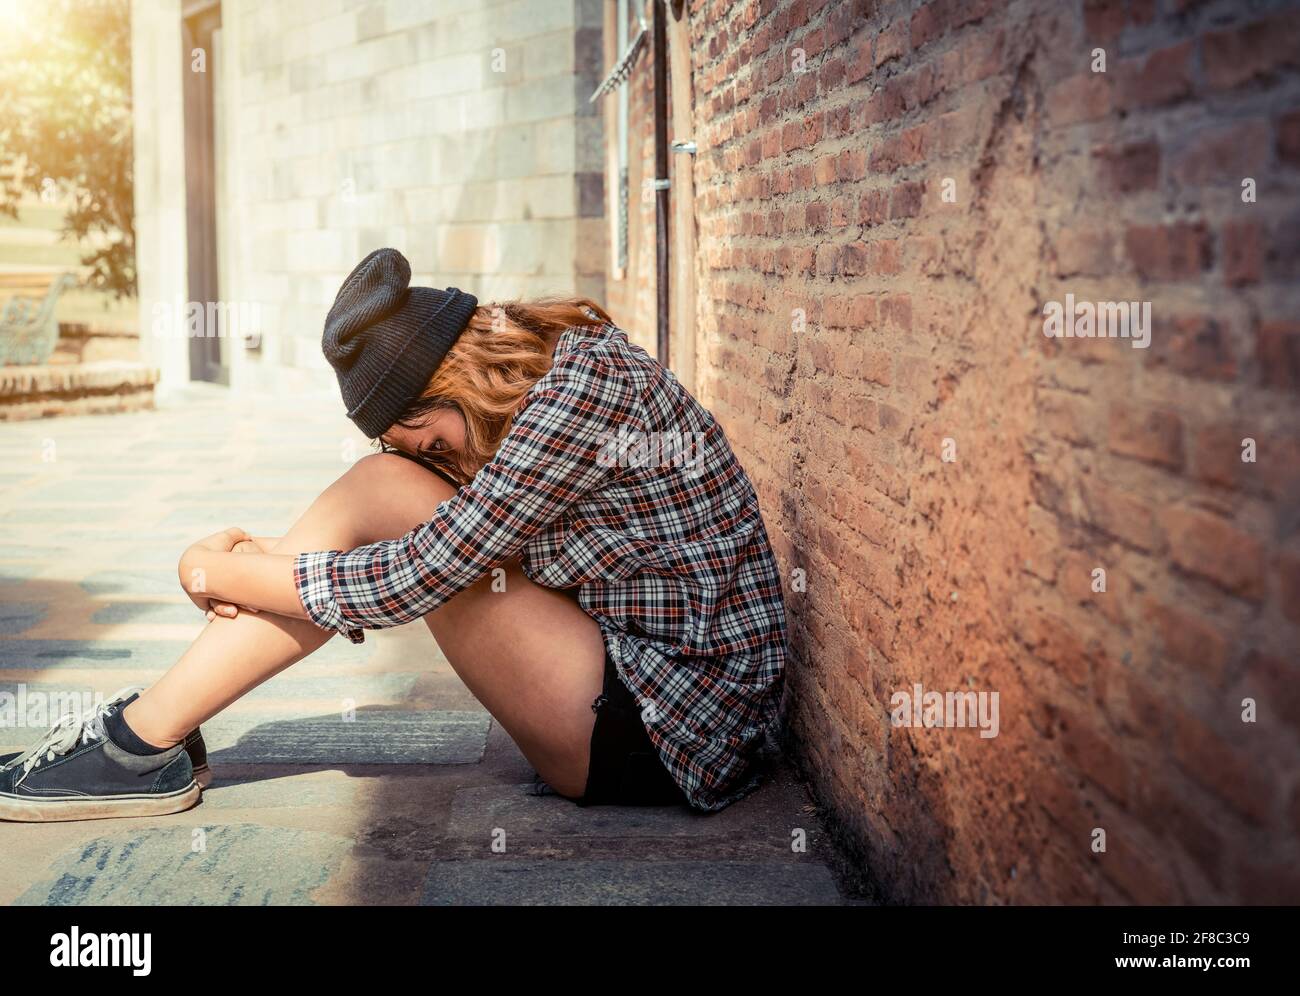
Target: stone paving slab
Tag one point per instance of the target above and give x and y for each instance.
(150, 553)
(221, 499)
(134, 530)
(186, 866)
(279, 478)
(18, 573)
(163, 444)
(377, 737)
(44, 514)
(357, 689)
(493, 882)
(477, 812)
(15, 617)
(153, 581)
(145, 656)
(15, 551)
(285, 788)
(360, 689)
(30, 456)
(158, 613)
(256, 519)
(74, 490)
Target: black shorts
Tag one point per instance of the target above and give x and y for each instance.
(625, 767)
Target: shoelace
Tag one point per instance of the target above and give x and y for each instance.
(69, 732)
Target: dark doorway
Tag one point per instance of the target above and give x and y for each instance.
(200, 19)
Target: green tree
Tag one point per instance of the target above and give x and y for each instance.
(65, 119)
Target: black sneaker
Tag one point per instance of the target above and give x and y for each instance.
(198, 754)
(75, 772)
(194, 745)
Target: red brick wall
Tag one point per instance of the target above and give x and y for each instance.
(1120, 710)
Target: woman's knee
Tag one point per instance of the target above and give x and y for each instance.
(379, 473)
(381, 496)
(381, 467)
(391, 494)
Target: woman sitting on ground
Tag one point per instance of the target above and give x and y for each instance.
(571, 525)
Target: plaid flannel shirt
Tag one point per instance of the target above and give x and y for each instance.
(613, 481)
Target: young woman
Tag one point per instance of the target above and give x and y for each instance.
(568, 521)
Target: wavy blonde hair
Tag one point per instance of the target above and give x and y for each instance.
(485, 376)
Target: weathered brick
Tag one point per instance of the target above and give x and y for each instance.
(1194, 345)
(1265, 882)
(1210, 547)
(1221, 767)
(1084, 251)
(1218, 451)
(1238, 55)
(1138, 871)
(1128, 517)
(1151, 435)
(1189, 640)
(1288, 585)
(1162, 77)
(1168, 252)
(905, 201)
(928, 23)
(1094, 754)
(1223, 155)
(1274, 683)
(1103, 19)
(1243, 253)
(891, 43)
(1082, 97)
(1277, 351)
(1129, 168)
(1288, 138)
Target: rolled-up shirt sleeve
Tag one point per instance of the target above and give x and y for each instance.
(559, 448)
(313, 573)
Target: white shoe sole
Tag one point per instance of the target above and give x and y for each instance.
(24, 809)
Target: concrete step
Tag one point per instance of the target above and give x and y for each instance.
(30, 392)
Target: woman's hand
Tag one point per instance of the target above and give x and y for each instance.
(222, 584)
(232, 540)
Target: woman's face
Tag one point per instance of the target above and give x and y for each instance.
(441, 431)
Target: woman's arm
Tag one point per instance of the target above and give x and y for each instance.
(556, 451)
(212, 572)
(228, 610)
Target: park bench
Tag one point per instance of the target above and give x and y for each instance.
(28, 329)
(92, 373)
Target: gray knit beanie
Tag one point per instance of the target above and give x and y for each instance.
(385, 339)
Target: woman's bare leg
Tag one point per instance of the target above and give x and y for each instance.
(536, 661)
(529, 654)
